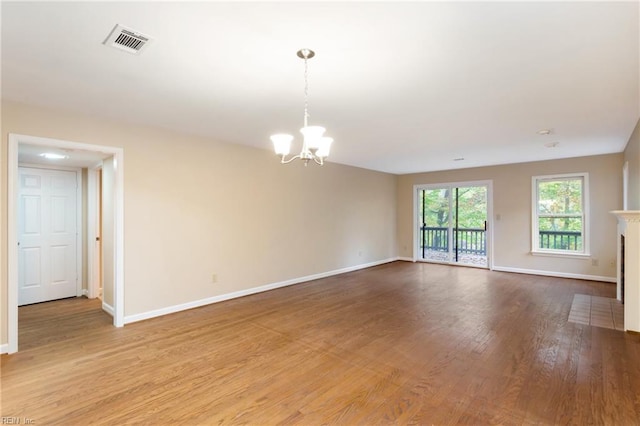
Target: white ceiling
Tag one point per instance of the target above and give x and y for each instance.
(402, 87)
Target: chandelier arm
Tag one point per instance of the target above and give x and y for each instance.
(320, 162)
(283, 161)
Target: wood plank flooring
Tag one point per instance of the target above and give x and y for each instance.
(401, 343)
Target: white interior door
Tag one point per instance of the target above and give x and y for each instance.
(47, 232)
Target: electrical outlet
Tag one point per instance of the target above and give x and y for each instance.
(360, 253)
(594, 262)
(214, 278)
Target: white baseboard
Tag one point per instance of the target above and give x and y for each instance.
(4, 348)
(555, 274)
(228, 296)
(108, 308)
(221, 298)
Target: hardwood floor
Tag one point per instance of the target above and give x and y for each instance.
(401, 343)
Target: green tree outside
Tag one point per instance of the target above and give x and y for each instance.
(472, 207)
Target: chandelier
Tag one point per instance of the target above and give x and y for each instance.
(315, 146)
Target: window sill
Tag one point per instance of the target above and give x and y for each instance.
(561, 254)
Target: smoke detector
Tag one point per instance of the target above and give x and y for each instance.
(128, 40)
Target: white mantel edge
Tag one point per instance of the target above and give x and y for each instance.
(627, 215)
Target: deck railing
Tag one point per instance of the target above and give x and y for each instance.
(469, 240)
(473, 240)
(561, 240)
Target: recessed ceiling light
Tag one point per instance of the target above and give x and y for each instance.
(551, 144)
(53, 156)
(544, 132)
(458, 159)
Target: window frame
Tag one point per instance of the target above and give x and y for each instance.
(535, 218)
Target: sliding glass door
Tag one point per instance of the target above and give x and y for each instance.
(452, 223)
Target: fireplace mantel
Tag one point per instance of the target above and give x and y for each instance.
(629, 227)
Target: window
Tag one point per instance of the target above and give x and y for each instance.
(560, 209)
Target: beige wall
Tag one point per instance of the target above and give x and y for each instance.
(512, 201)
(194, 207)
(632, 156)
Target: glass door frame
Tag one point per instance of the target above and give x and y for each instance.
(452, 185)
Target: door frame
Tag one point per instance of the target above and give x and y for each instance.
(15, 140)
(93, 203)
(489, 233)
(79, 234)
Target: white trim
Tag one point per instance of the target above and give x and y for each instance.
(557, 253)
(14, 141)
(4, 348)
(450, 222)
(555, 274)
(221, 298)
(414, 224)
(79, 235)
(406, 259)
(626, 215)
(489, 231)
(92, 231)
(107, 308)
(118, 165)
(85, 292)
(586, 215)
(49, 167)
(629, 227)
(12, 245)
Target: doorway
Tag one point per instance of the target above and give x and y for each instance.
(49, 252)
(453, 222)
(113, 256)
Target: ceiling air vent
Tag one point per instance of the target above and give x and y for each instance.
(127, 39)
